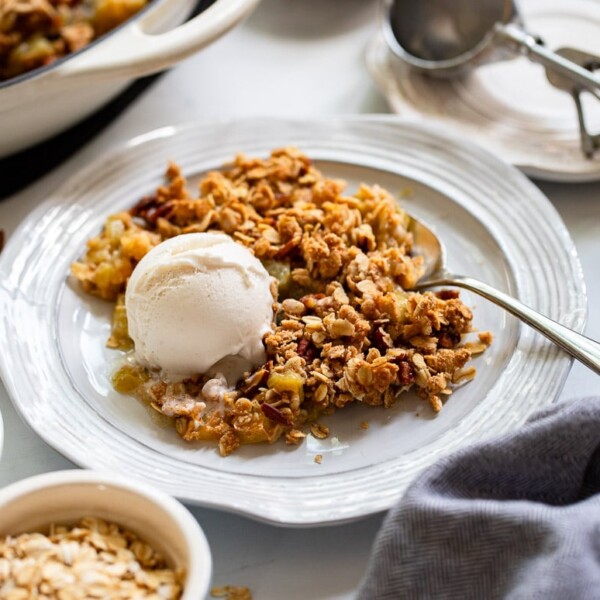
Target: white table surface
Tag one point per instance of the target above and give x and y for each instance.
(291, 58)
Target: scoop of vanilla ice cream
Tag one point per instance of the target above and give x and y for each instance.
(197, 299)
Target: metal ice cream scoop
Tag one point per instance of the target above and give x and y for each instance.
(427, 245)
(448, 37)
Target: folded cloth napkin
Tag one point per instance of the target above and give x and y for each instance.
(517, 517)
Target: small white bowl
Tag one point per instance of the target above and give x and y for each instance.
(64, 497)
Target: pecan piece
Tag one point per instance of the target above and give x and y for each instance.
(164, 210)
(447, 294)
(448, 338)
(307, 350)
(406, 373)
(143, 205)
(254, 381)
(274, 414)
(381, 339)
(287, 248)
(151, 209)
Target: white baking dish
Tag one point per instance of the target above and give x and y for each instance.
(39, 104)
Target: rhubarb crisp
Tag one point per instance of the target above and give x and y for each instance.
(346, 327)
(35, 33)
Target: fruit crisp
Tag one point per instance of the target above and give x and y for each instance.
(346, 326)
(34, 33)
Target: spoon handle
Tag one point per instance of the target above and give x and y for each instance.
(527, 44)
(579, 346)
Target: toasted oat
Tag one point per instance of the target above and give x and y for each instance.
(230, 592)
(464, 375)
(319, 431)
(295, 436)
(347, 326)
(475, 347)
(364, 425)
(94, 559)
(318, 458)
(486, 337)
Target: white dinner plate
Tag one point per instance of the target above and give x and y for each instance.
(508, 107)
(496, 225)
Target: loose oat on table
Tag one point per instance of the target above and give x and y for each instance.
(231, 592)
(347, 327)
(93, 559)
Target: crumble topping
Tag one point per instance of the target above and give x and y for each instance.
(346, 327)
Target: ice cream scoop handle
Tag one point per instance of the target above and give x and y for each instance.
(528, 45)
(578, 346)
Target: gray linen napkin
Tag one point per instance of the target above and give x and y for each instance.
(517, 517)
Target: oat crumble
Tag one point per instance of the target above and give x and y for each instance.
(346, 328)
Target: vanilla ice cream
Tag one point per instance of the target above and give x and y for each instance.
(197, 299)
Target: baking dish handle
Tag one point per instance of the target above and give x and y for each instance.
(133, 52)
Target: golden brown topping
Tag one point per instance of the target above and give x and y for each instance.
(347, 326)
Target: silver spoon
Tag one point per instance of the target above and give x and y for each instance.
(446, 38)
(427, 245)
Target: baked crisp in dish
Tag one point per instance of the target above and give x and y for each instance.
(346, 326)
(34, 33)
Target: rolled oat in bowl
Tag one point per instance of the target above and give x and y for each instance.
(91, 559)
(75, 535)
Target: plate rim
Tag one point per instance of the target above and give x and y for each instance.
(173, 131)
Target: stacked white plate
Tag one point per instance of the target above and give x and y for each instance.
(509, 107)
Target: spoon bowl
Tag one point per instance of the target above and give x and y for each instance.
(445, 39)
(435, 273)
